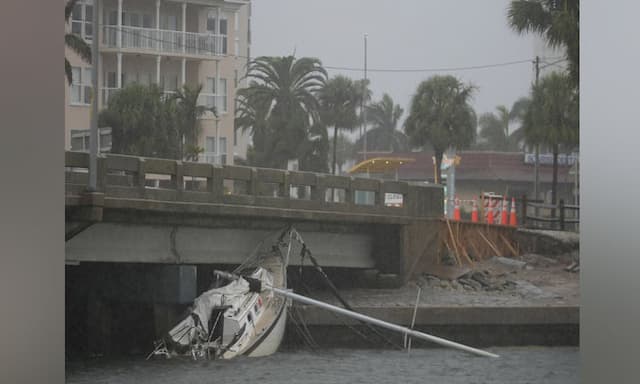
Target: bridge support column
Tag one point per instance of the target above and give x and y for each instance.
(418, 247)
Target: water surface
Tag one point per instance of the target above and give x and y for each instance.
(517, 365)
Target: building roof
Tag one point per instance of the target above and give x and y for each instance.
(479, 165)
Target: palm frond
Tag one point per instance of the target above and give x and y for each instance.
(78, 45)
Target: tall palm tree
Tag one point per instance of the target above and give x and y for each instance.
(340, 99)
(441, 115)
(75, 42)
(188, 111)
(495, 128)
(384, 116)
(558, 21)
(552, 118)
(281, 101)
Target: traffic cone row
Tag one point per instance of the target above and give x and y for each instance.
(507, 217)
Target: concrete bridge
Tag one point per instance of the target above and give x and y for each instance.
(171, 212)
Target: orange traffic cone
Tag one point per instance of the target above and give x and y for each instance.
(489, 213)
(513, 221)
(456, 210)
(503, 216)
(474, 212)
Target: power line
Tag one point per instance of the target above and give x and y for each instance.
(382, 70)
(443, 69)
(553, 63)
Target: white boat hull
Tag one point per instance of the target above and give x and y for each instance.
(271, 342)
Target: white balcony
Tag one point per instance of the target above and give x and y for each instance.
(166, 42)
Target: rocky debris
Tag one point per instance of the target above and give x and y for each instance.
(499, 276)
(471, 281)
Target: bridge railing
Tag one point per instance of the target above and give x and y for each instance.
(121, 176)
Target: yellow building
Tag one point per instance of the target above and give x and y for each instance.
(170, 43)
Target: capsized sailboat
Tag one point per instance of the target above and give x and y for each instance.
(237, 317)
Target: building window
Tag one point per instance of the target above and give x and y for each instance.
(81, 86)
(210, 144)
(82, 20)
(212, 21)
(223, 32)
(208, 93)
(170, 22)
(169, 82)
(209, 155)
(80, 139)
(223, 95)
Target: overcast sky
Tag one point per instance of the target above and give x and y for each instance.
(401, 34)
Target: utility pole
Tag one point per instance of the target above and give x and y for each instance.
(363, 102)
(537, 161)
(93, 133)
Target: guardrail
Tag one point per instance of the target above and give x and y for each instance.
(550, 216)
(121, 176)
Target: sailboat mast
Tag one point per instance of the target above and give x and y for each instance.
(380, 323)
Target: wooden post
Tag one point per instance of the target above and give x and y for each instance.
(561, 208)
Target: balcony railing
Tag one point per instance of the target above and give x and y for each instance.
(165, 41)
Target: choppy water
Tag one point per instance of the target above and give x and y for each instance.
(517, 365)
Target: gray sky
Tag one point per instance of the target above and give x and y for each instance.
(401, 34)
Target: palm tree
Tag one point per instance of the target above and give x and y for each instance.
(281, 102)
(75, 42)
(492, 129)
(440, 114)
(558, 21)
(495, 128)
(188, 111)
(552, 118)
(345, 150)
(251, 116)
(384, 116)
(340, 99)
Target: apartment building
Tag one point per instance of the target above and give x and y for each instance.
(170, 43)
